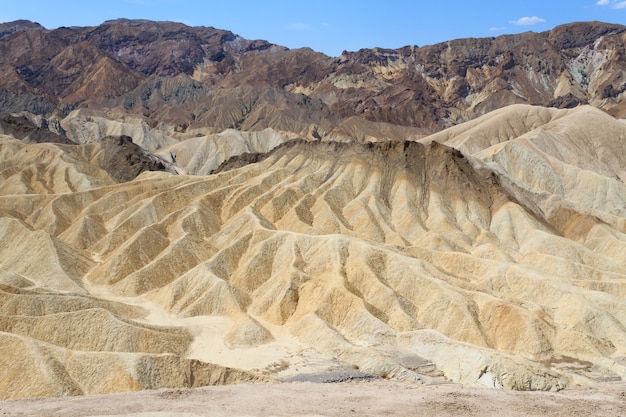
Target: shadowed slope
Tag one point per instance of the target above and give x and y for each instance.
(51, 168)
(565, 162)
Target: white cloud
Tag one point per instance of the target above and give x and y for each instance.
(496, 29)
(613, 4)
(527, 21)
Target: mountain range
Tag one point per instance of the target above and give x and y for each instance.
(203, 78)
(180, 207)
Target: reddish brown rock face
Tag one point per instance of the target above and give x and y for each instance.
(430, 87)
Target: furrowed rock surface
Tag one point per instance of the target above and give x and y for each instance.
(500, 264)
(203, 154)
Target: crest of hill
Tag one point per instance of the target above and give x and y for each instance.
(202, 155)
(10, 28)
(360, 130)
(547, 154)
(599, 139)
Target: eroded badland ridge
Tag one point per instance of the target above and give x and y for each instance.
(183, 207)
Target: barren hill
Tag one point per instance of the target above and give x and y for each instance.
(183, 207)
(500, 264)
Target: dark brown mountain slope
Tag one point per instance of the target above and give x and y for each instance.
(168, 48)
(10, 28)
(427, 87)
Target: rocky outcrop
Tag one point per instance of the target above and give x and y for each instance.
(124, 160)
(32, 130)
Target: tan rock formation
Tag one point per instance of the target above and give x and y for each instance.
(501, 264)
(203, 154)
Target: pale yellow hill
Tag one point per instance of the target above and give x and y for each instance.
(505, 268)
(32, 369)
(46, 168)
(361, 130)
(563, 161)
(201, 155)
(86, 126)
(196, 152)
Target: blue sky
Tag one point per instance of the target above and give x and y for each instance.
(331, 26)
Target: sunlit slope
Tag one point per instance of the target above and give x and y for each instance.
(203, 154)
(566, 162)
(348, 251)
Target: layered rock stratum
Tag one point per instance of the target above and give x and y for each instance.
(200, 78)
(227, 213)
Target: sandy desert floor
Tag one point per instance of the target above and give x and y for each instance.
(353, 398)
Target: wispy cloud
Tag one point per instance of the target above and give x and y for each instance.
(299, 26)
(613, 4)
(527, 21)
(496, 29)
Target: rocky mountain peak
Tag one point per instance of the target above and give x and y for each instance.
(9, 28)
